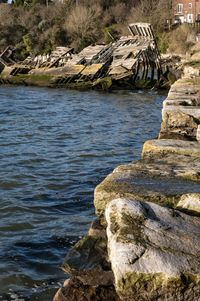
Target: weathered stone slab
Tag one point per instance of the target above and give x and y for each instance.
(154, 252)
(181, 111)
(193, 111)
(162, 147)
(190, 202)
(186, 86)
(192, 70)
(181, 100)
(180, 120)
(169, 166)
(161, 181)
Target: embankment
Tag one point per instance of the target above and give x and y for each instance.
(145, 242)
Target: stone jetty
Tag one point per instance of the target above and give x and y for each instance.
(145, 243)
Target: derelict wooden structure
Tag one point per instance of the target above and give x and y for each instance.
(131, 61)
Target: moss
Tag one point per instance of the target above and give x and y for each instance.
(150, 282)
(88, 254)
(11, 80)
(86, 242)
(29, 79)
(143, 83)
(128, 188)
(79, 85)
(132, 224)
(103, 83)
(114, 223)
(146, 84)
(36, 77)
(131, 279)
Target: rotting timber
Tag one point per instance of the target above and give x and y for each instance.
(130, 62)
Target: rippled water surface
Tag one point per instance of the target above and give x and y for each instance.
(55, 147)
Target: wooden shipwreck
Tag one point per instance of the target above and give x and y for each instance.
(132, 61)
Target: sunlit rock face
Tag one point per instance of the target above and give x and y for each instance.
(154, 251)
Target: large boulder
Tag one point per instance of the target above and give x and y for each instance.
(154, 251)
(180, 121)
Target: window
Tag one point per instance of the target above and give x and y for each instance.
(190, 5)
(179, 8)
(190, 18)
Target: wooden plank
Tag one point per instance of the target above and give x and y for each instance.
(92, 69)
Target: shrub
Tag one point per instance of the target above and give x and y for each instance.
(83, 25)
(179, 39)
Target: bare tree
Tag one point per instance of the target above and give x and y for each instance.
(155, 12)
(82, 24)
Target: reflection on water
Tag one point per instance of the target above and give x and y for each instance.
(55, 147)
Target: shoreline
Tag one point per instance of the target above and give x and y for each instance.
(164, 183)
(132, 61)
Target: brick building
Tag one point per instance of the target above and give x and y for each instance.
(186, 11)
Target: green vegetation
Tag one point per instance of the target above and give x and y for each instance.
(148, 282)
(38, 26)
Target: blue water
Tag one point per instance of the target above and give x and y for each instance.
(55, 147)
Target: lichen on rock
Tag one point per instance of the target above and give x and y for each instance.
(158, 259)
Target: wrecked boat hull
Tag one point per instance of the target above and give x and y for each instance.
(131, 62)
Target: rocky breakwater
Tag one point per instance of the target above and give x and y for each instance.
(145, 242)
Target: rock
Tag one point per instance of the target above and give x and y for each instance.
(180, 99)
(198, 133)
(180, 120)
(75, 290)
(88, 261)
(162, 147)
(169, 166)
(186, 85)
(195, 48)
(193, 69)
(163, 180)
(154, 251)
(190, 202)
(151, 209)
(181, 111)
